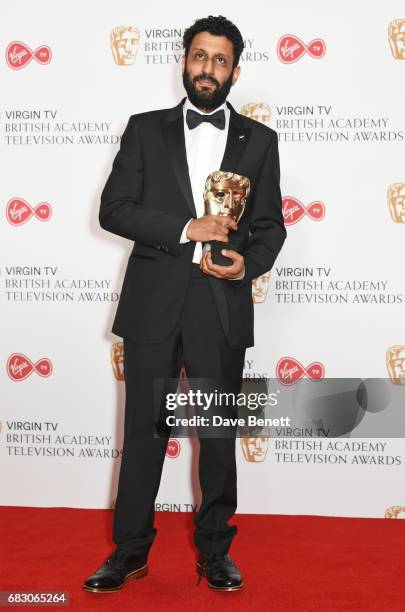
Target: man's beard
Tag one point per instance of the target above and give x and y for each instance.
(205, 99)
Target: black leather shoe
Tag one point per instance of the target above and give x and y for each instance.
(220, 571)
(112, 574)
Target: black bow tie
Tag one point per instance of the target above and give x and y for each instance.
(216, 119)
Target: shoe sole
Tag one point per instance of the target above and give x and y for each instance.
(135, 575)
(217, 588)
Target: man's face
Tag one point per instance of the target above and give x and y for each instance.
(207, 72)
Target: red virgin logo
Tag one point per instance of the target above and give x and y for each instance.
(294, 210)
(173, 449)
(289, 370)
(290, 48)
(18, 211)
(19, 55)
(19, 367)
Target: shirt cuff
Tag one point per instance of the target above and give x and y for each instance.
(239, 277)
(183, 237)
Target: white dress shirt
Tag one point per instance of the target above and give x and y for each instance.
(205, 148)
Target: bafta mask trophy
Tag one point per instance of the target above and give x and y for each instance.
(225, 194)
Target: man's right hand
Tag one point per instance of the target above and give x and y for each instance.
(210, 227)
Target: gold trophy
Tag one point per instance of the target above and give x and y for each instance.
(225, 194)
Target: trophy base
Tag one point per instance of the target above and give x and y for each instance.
(216, 255)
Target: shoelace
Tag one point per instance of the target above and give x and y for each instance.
(216, 561)
(116, 560)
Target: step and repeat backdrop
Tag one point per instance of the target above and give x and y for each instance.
(329, 78)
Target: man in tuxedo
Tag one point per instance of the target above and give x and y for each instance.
(176, 304)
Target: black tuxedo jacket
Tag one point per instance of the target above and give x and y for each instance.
(148, 199)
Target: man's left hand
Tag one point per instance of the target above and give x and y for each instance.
(234, 271)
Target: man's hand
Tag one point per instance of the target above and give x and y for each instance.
(228, 272)
(210, 227)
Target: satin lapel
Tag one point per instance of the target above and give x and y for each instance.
(173, 132)
(238, 136)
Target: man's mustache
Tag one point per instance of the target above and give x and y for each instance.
(203, 77)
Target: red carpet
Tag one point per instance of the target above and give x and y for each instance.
(290, 563)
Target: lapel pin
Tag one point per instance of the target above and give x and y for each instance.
(241, 136)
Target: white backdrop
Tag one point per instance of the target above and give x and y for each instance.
(339, 112)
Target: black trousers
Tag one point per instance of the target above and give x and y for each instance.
(199, 341)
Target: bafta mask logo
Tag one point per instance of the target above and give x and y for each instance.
(260, 287)
(394, 512)
(117, 360)
(124, 42)
(259, 111)
(396, 202)
(396, 36)
(255, 449)
(396, 364)
(225, 194)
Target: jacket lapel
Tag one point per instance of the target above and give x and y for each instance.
(173, 133)
(238, 136)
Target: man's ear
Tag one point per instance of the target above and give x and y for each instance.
(235, 75)
(183, 62)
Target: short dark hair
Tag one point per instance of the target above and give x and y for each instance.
(217, 26)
